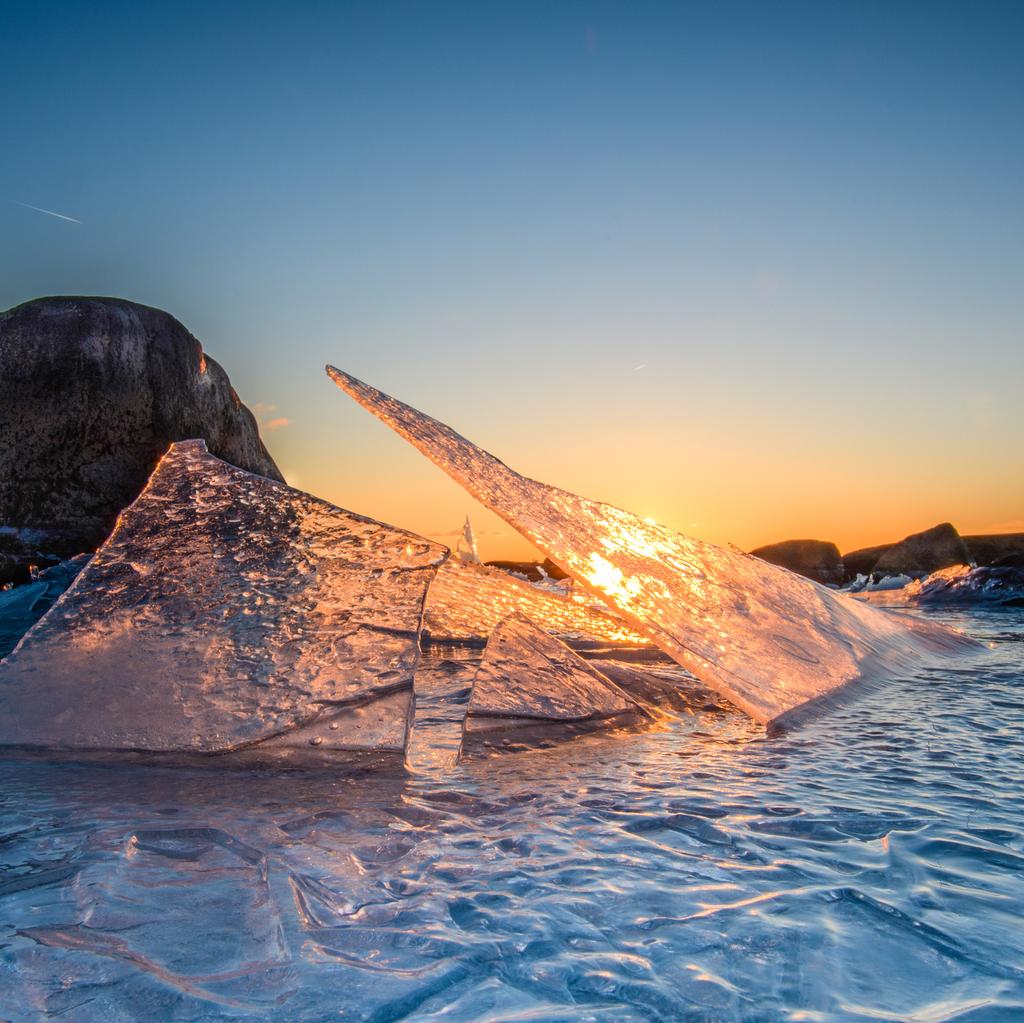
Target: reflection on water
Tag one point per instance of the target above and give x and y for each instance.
(868, 866)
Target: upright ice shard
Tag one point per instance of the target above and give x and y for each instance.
(466, 602)
(528, 680)
(774, 643)
(466, 551)
(227, 614)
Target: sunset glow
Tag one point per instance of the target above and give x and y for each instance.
(736, 274)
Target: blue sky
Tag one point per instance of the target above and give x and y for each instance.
(754, 270)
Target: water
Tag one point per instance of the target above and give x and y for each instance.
(869, 866)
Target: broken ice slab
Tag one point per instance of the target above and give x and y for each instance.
(466, 602)
(775, 644)
(228, 616)
(381, 725)
(528, 681)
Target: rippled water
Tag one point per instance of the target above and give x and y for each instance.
(869, 866)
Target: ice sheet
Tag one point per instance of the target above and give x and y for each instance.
(224, 610)
(775, 644)
(526, 673)
(466, 602)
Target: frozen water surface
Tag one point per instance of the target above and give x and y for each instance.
(774, 643)
(226, 611)
(867, 867)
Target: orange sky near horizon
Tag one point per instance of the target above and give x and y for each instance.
(755, 273)
(746, 480)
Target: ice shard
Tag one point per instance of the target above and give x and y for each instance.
(466, 602)
(466, 551)
(228, 616)
(775, 644)
(528, 679)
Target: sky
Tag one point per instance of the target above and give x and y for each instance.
(753, 270)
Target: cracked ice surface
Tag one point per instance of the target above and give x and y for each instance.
(767, 639)
(466, 602)
(225, 610)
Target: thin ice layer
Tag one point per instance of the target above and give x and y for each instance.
(525, 673)
(466, 602)
(224, 610)
(767, 639)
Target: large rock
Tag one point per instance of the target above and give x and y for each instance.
(923, 553)
(533, 571)
(816, 559)
(1005, 549)
(92, 392)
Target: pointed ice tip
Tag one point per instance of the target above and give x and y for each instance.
(348, 383)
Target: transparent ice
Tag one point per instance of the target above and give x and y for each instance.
(960, 584)
(957, 585)
(772, 642)
(466, 551)
(525, 673)
(226, 611)
(466, 602)
(863, 869)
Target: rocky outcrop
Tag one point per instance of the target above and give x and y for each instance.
(1003, 549)
(923, 553)
(863, 561)
(92, 392)
(816, 559)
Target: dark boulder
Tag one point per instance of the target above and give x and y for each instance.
(92, 393)
(996, 548)
(923, 553)
(816, 559)
(863, 561)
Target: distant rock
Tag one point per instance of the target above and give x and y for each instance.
(923, 553)
(816, 559)
(535, 571)
(1003, 549)
(92, 392)
(863, 561)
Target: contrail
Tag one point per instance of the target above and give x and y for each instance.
(39, 209)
